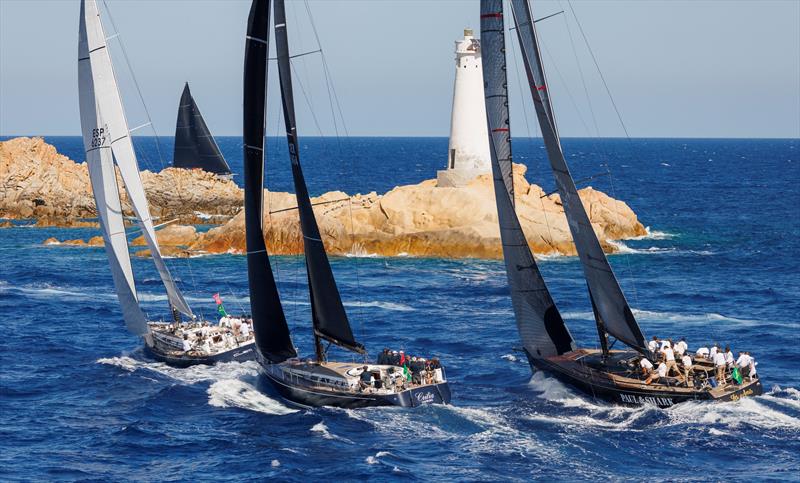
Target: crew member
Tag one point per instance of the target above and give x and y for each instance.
(719, 363)
(660, 374)
(684, 346)
(729, 360)
(366, 380)
(686, 360)
(186, 345)
(653, 345)
(669, 359)
(646, 365)
(743, 362)
(245, 327)
(702, 352)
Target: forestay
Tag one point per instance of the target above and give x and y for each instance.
(329, 316)
(195, 147)
(104, 187)
(116, 129)
(269, 321)
(611, 310)
(539, 322)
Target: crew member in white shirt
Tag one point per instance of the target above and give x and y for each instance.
(743, 363)
(686, 360)
(665, 344)
(245, 329)
(660, 373)
(683, 345)
(713, 352)
(224, 321)
(669, 359)
(719, 363)
(729, 360)
(653, 345)
(702, 352)
(753, 364)
(679, 348)
(646, 365)
(186, 345)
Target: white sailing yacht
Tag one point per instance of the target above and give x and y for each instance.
(107, 142)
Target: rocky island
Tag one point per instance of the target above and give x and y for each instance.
(414, 220)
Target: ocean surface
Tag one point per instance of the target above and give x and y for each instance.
(80, 401)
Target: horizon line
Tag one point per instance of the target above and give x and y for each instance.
(377, 136)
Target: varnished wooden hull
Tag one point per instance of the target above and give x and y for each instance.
(605, 387)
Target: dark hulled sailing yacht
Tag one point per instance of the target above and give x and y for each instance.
(611, 375)
(108, 149)
(195, 147)
(317, 381)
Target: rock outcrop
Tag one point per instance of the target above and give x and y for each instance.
(416, 220)
(38, 182)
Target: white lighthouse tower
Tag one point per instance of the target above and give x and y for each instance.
(468, 154)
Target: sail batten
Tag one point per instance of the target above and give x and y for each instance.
(110, 106)
(539, 322)
(328, 313)
(195, 147)
(273, 340)
(612, 312)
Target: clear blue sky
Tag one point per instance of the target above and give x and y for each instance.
(676, 68)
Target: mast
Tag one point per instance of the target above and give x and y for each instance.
(273, 340)
(539, 322)
(195, 147)
(611, 310)
(109, 104)
(327, 311)
(105, 190)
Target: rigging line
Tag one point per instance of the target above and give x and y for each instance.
(624, 128)
(597, 65)
(333, 97)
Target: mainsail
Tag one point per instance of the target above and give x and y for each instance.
(195, 147)
(104, 186)
(539, 322)
(611, 310)
(269, 321)
(117, 137)
(329, 317)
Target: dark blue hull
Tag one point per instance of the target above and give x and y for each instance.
(304, 396)
(245, 352)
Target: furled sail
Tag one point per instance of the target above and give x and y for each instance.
(104, 186)
(195, 147)
(329, 316)
(116, 127)
(611, 309)
(539, 322)
(269, 321)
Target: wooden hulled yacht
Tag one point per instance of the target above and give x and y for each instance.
(314, 381)
(610, 375)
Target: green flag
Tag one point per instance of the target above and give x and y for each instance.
(736, 375)
(406, 373)
(221, 310)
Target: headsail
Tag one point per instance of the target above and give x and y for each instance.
(329, 316)
(611, 309)
(195, 147)
(539, 322)
(110, 106)
(106, 193)
(269, 321)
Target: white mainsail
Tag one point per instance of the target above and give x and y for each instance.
(106, 193)
(117, 137)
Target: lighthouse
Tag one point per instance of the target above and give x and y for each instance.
(468, 151)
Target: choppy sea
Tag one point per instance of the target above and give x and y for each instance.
(80, 401)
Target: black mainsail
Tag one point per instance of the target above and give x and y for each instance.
(539, 322)
(269, 321)
(328, 314)
(611, 310)
(195, 147)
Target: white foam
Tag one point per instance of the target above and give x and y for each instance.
(620, 248)
(234, 393)
(358, 251)
(323, 431)
(382, 305)
(653, 235)
(275, 463)
(510, 357)
(373, 460)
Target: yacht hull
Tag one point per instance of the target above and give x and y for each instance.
(603, 387)
(244, 352)
(295, 391)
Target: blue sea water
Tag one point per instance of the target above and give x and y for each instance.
(79, 400)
